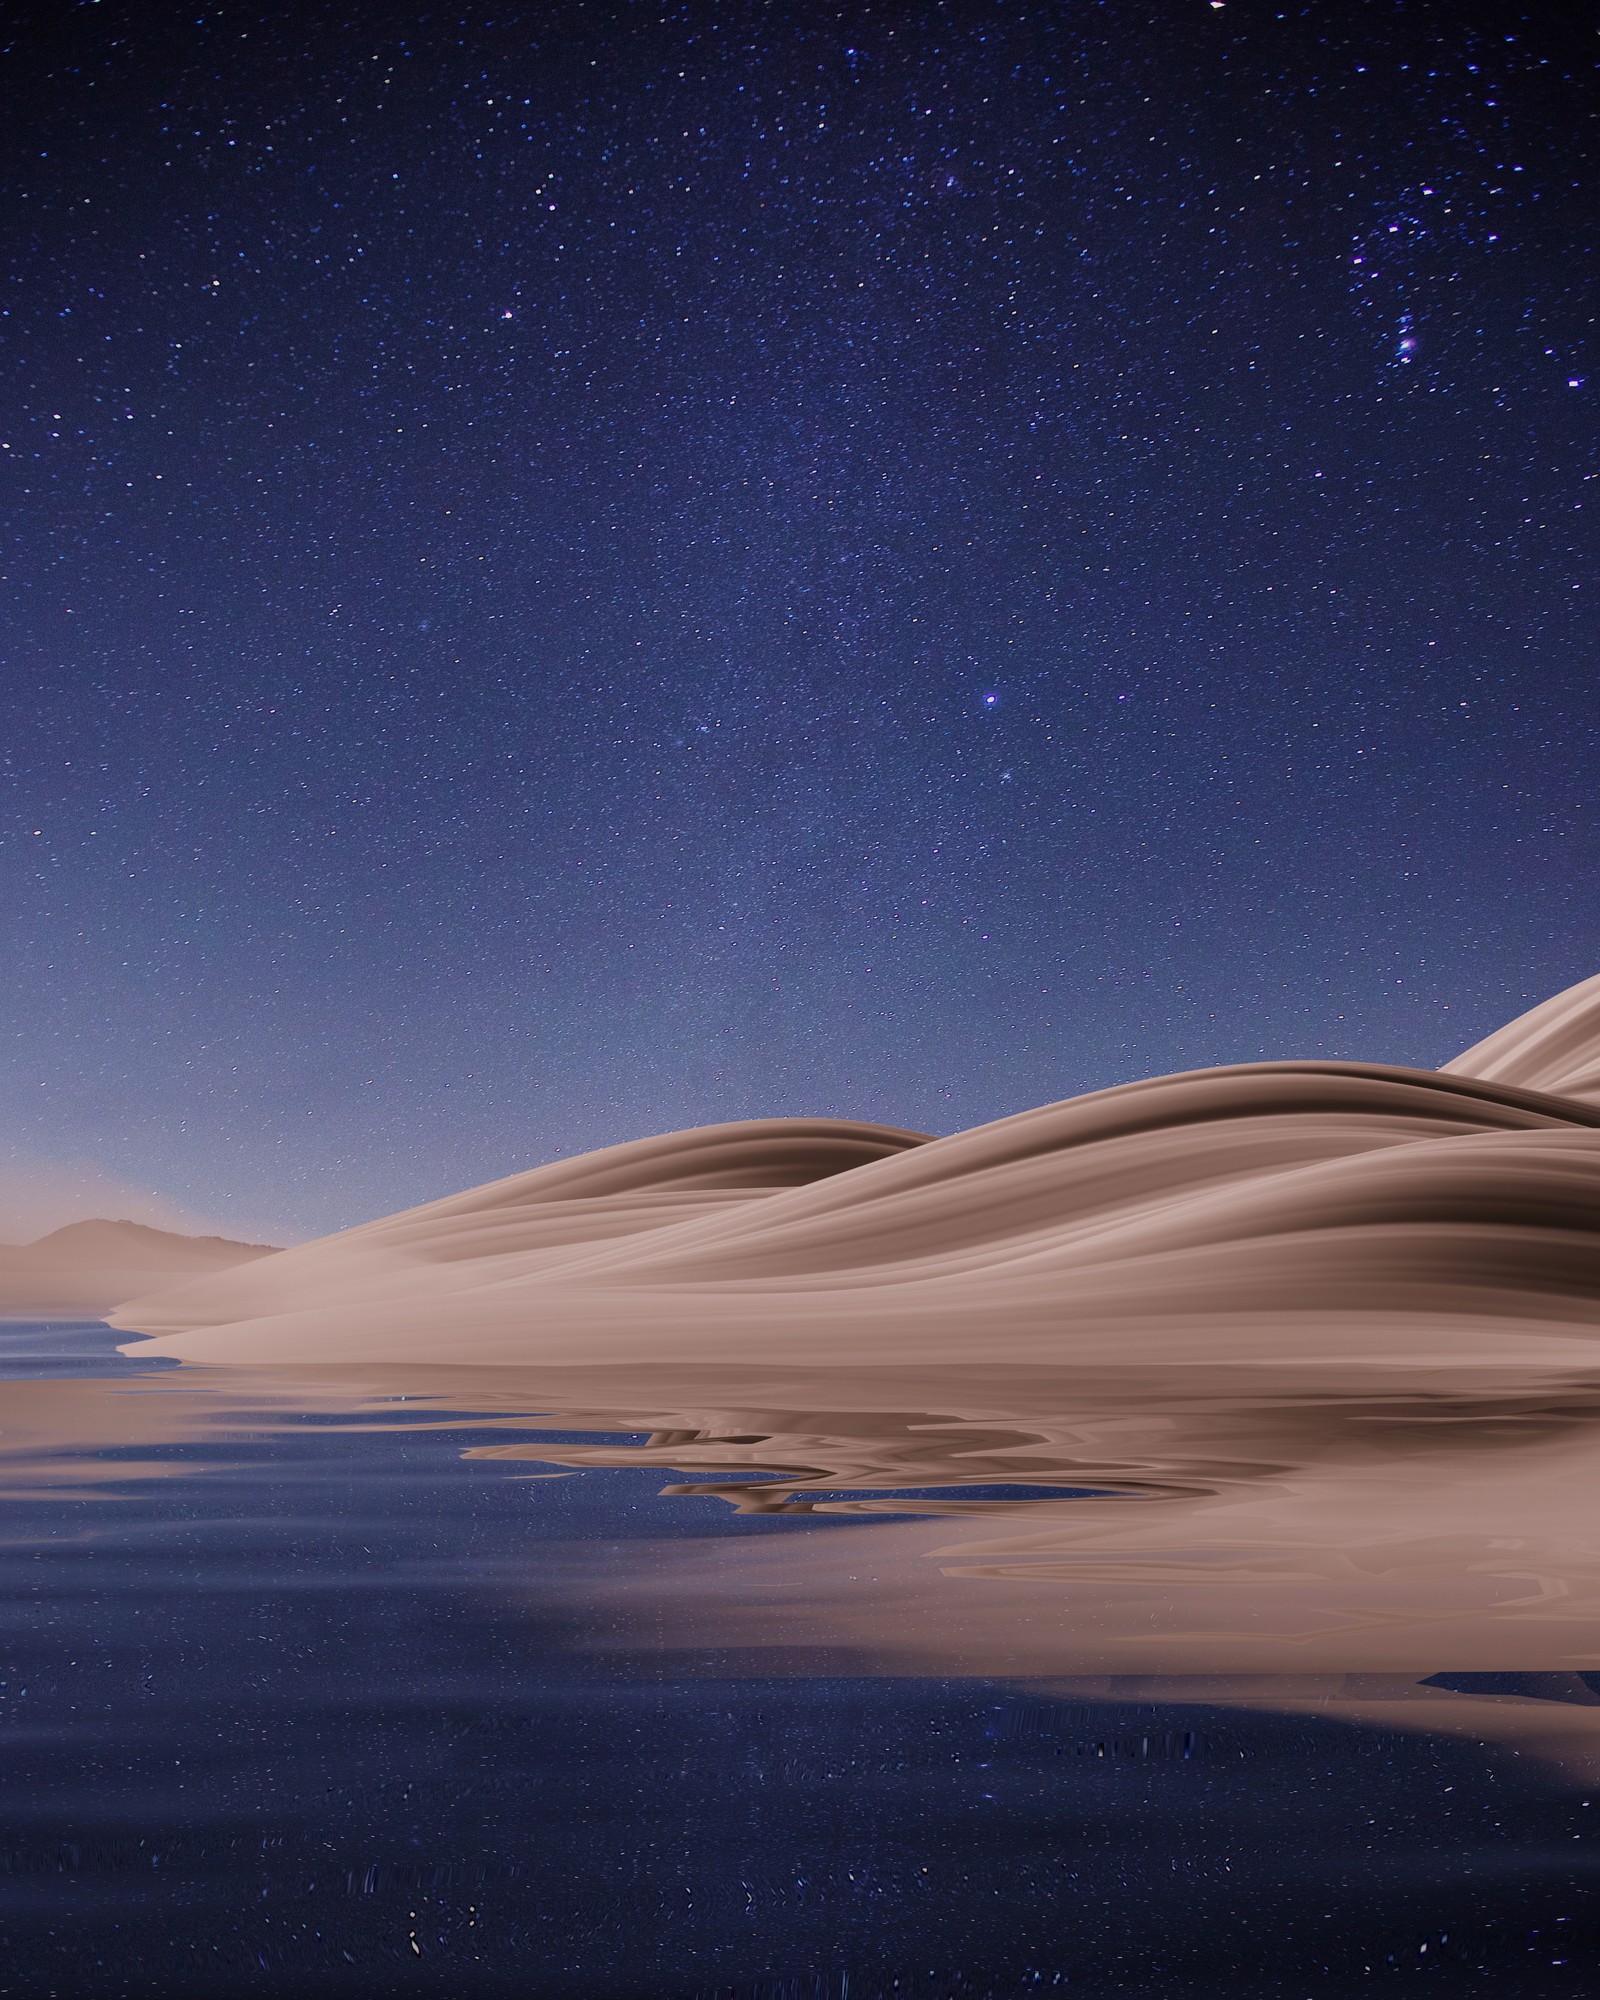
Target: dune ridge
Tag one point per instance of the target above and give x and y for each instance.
(1299, 1212)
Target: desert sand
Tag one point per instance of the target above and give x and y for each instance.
(1287, 1369)
(1307, 1214)
(82, 1270)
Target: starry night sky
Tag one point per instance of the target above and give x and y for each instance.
(576, 570)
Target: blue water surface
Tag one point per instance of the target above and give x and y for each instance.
(333, 1716)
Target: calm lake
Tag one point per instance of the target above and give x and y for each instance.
(367, 1692)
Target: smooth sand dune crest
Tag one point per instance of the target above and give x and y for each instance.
(1307, 1212)
(525, 1226)
(1554, 1046)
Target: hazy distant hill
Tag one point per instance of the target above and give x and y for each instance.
(84, 1269)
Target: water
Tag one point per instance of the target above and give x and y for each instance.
(299, 1700)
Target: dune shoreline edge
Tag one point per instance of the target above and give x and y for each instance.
(1307, 1213)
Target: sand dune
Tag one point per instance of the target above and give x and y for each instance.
(1320, 1343)
(1317, 1212)
(82, 1270)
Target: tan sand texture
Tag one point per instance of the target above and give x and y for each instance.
(83, 1269)
(1302, 1214)
(1277, 1384)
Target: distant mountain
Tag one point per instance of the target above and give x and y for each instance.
(82, 1270)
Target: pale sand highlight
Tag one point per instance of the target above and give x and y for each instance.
(1322, 1336)
(1312, 1213)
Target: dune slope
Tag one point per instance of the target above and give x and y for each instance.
(1311, 1211)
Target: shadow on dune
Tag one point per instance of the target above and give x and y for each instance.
(1284, 1373)
(1302, 1214)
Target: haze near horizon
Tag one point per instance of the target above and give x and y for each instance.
(595, 573)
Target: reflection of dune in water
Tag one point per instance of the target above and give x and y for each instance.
(76, 1438)
(1320, 1336)
(1362, 1553)
(1226, 1531)
(1386, 1560)
(1304, 1212)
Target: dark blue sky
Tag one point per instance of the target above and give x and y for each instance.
(571, 571)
